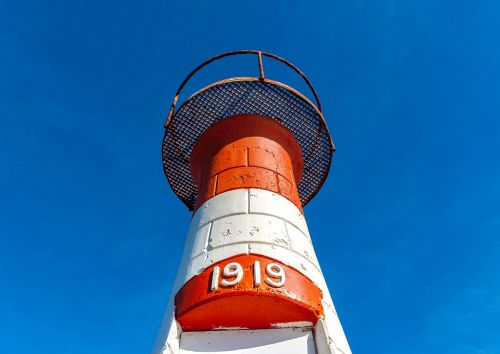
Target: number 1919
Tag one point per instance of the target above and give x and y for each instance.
(233, 273)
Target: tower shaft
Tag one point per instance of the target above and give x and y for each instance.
(249, 273)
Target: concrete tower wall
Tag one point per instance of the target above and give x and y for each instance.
(237, 223)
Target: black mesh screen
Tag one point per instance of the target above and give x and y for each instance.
(232, 97)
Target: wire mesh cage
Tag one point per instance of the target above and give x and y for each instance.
(246, 95)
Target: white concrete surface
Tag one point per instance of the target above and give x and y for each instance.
(237, 222)
(253, 221)
(168, 340)
(264, 341)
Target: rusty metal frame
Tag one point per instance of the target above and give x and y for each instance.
(261, 74)
(172, 113)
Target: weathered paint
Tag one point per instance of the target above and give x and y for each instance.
(226, 226)
(247, 151)
(220, 299)
(248, 219)
(206, 246)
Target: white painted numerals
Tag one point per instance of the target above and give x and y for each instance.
(256, 273)
(233, 273)
(232, 270)
(275, 271)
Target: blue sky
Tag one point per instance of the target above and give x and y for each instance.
(406, 227)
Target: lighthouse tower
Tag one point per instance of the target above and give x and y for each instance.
(245, 155)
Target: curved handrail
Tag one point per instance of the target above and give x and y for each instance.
(261, 73)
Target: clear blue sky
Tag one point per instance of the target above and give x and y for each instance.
(406, 227)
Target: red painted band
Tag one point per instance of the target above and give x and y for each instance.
(247, 151)
(245, 304)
